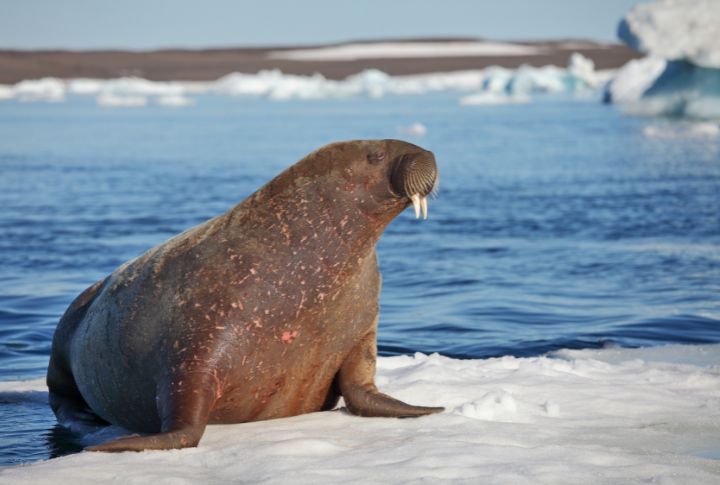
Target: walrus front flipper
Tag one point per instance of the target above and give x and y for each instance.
(356, 378)
(185, 438)
(184, 406)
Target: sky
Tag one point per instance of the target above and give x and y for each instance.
(152, 24)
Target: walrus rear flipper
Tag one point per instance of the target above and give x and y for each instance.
(369, 402)
(184, 406)
(356, 378)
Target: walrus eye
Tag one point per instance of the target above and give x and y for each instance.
(376, 157)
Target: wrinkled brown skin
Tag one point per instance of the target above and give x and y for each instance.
(267, 311)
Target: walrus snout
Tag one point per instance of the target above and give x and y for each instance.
(415, 176)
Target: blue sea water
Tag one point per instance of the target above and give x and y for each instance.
(559, 224)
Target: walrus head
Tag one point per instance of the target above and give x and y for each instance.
(363, 183)
(393, 173)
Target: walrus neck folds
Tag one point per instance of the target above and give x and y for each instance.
(313, 208)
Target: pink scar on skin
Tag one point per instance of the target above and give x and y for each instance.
(288, 337)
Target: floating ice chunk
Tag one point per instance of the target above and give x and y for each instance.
(174, 100)
(686, 33)
(48, 89)
(6, 92)
(547, 79)
(675, 30)
(682, 90)
(124, 101)
(633, 79)
(239, 84)
(85, 86)
(415, 129)
(581, 71)
(491, 98)
(135, 86)
(503, 86)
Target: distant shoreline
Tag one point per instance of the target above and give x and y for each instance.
(211, 64)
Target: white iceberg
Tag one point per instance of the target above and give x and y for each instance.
(589, 416)
(675, 30)
(681, 75)
(633, 79)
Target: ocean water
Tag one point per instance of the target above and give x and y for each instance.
(559, 224)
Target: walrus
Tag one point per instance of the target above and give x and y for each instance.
(267, 311)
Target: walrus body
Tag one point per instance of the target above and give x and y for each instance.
(267, 311)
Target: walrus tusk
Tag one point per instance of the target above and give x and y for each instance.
(419, 203)
(416, 204)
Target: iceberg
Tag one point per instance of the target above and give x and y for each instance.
(675, 30)
(633, 79)
(681, 75)
(575, 416)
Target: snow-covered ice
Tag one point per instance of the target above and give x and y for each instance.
(681, 75)
(590, 416)
(385, 50)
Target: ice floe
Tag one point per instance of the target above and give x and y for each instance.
(575, 416)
